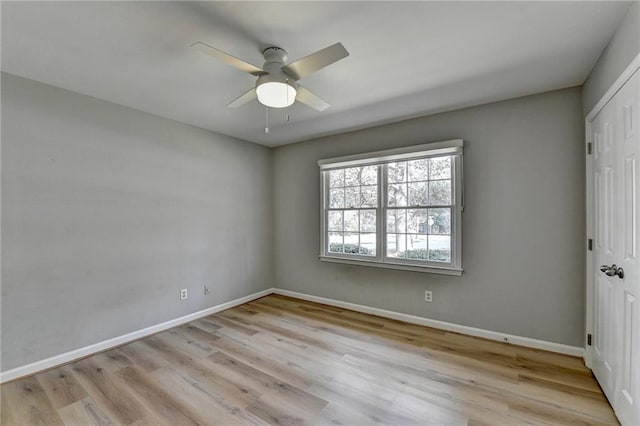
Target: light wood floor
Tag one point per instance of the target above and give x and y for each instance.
(279, 360)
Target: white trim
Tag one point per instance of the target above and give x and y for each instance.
(54, 361)
(617, 85)
(390, 265)
(590, 233)
(381, 159)
(58, 360)
(441, 325)
(453, 146)
(631, 69)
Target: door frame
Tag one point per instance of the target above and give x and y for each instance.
(590, 205)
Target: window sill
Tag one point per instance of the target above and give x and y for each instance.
(375, 264)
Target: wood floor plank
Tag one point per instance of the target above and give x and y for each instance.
(280, 360)
(61, 387)
(178, 338)
(551, 415)
(344, 390)
(235, 325)
(157, 399)
(205, 324)
(84, 412)
(282, 369)
(207, 407)
(27, 403)
(164, 348)
(435, 386)
(219, 383)
(5, 415)
(552, 358)
(113, 360)
(198, 334)
(342, 414)
(272, 388)
(568, 376)
(111, 396)
(349, 380)
(143, 356)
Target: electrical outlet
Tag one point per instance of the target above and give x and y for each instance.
(184, 295)
(428, 296)
(207, 290)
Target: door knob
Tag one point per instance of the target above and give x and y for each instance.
(612, 270)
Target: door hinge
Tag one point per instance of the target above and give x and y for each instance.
(589, 148)
(589, 339)
(590, 244)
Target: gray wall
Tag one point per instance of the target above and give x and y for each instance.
(107, 212)
(623, 47)
(524, 220)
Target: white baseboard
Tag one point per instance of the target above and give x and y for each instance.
(35, 367)
(442, 325)
(38, 366)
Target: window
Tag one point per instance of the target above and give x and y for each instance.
(399, 208)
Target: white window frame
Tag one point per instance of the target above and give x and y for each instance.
(453, 148)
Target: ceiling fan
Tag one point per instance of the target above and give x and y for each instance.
(276, 85)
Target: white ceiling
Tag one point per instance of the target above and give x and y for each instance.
(406, 58)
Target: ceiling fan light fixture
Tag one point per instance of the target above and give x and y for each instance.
(277, 86)
(276, 94)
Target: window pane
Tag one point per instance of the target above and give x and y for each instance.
(352, 197)
(368, 244)
(336, 198)
(418, 194)
(397, 195)
(440, 168)
(369, 196)
(397, 172)
(440, 248)
(351, 220)
(367, 221)
(417, 221)
(418, 170)
(335, 242)
(351, 243)
(369, 175)
(352, 176)
(396, 244)
(335, 221)
(396, 220)
(416, 247)
(440, 192)
(336, 178)
(440, 221)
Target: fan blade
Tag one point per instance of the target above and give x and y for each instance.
(243, 99)
(306, 97)
(316, 61)
(229, 59)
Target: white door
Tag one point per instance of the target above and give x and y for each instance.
(616, 339)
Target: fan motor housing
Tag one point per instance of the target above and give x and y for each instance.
(274, 61)
(275, 54)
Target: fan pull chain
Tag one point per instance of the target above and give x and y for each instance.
(287, 81)
(266, 120)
